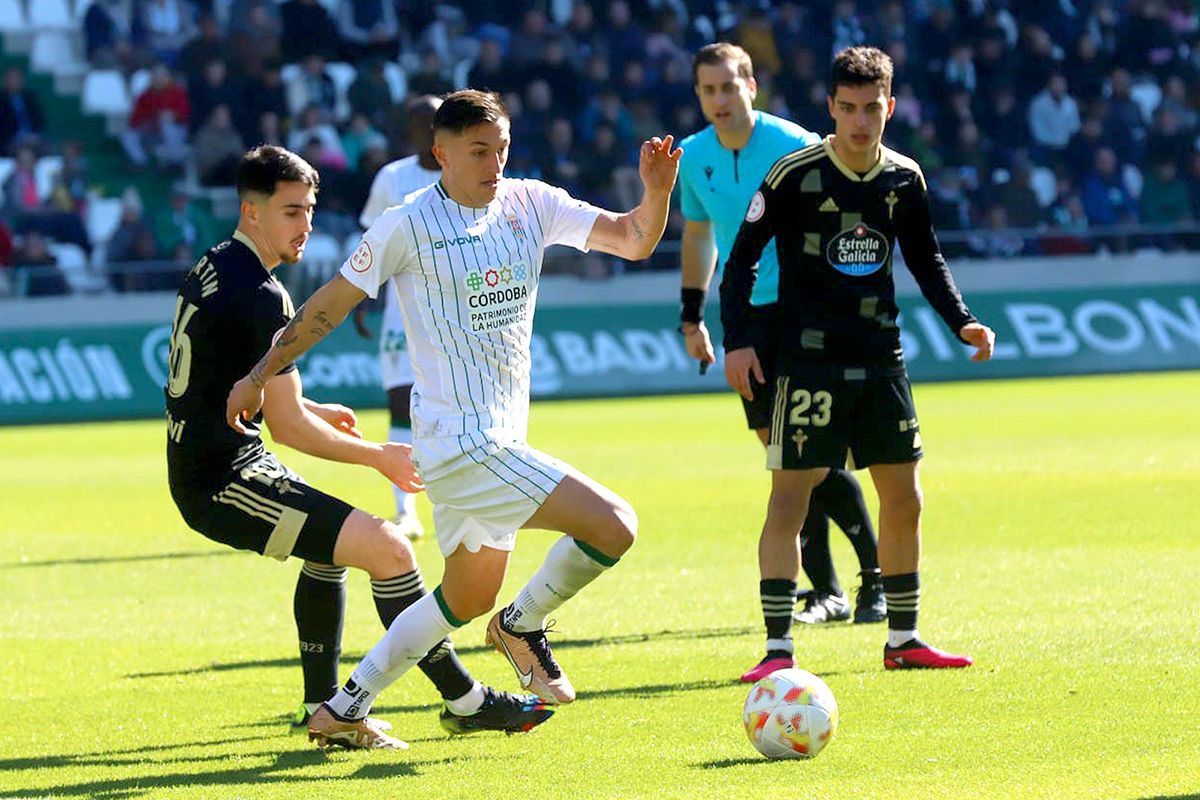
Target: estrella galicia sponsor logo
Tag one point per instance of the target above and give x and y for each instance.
(458, 241)
(857, 251)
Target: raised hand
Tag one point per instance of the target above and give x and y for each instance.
(658, 164)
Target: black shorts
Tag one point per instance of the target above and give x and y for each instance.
(821, 415)
(763, 324)
(267, 508)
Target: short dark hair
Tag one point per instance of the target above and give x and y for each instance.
(858, 66)
(718, 52)
(468, 108)
(263, 167)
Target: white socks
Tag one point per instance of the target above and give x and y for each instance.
(569, 566)
(418, 628)
(897, 638)
(405, 503)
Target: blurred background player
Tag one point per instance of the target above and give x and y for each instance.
(389, 187)
(721, 168)
(836, 210)
(231, 489)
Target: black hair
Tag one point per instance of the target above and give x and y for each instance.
(263, 167)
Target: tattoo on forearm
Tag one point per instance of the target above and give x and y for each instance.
(321, 325)
(638, 231)
(288, 337)
(258, 374)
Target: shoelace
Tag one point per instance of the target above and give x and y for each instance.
(541, 649)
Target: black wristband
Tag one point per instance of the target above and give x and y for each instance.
(691, 305)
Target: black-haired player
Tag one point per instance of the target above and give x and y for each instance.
(836, 210)
(229, 488)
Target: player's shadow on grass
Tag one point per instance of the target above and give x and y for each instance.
(94, 560)
(142, 785)
(559, 645)
(725, 763)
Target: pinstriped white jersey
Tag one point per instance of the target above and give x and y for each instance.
(467, 280)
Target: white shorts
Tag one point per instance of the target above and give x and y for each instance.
(482, 496)
(395, 366)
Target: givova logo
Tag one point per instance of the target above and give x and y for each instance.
(458, 241)
(501, 276)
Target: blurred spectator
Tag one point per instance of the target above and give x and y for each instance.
(430, 77)
(447, 35)
(1068, 221)
(1125, 127)
(994, 63)
(312, 87)
(1165, 198)
(624, 40)
(368, 28)
(214, 88)
(132, 241)
(218, 147)
(169, 26)
(359, 137)
(1036, 62)
(265, 94)
(183, 223)
(1167, 140)
(1106, 200)
(559, 161)
(1175, 100)
(370, 94)
(530, 39)
(757, 37)
(36, 268)
(307, 30)
(208, 45)
(1086, 67)
(114, 35)
(158, 122)
(490, 71)
(960, 68)
(562, 77)
(6, 245)
(20, 190)
(996, 240)
(1053, 118)
(607, 174)
(606, 107)
(1017, 196)
(938, 34)
(255, 33)
(950, 208)
(21, 120)
(1081, 152)
(269, 129)
(73, 177)
(308, 129)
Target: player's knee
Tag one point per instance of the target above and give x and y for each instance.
(625, 527)
(907, 505)
(394, 556)
(471, 603)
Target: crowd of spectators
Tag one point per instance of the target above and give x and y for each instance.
(1075, 118)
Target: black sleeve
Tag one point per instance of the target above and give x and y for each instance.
(265, 318)
(925, 261)
(741, 268)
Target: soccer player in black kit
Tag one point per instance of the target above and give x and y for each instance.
(229, 488)
(836, 210)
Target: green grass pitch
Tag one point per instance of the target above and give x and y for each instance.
(1061, 550)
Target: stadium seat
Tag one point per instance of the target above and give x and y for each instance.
(54, 52)
(343, 76)
(1132, 177)
(462, 70)
(7, 165)
(73, 264)
(103, 217)
(12, 17)
(1147, 95)
(45, 171)
(397, 81)
(51, 15)
(105, 92)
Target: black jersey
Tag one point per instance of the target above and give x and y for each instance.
(226, 315)
(836, 233)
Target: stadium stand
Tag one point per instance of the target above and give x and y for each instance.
(1013, 108)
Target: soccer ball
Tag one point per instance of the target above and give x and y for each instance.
(790, 714)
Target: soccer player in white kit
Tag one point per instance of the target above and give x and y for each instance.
(391, 185)
(467, 254)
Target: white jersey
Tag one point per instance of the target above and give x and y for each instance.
(467, 281)
(391, 185)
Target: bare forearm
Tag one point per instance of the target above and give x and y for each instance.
(309, 434)
(699, 259)
(645, 225)
(323, 312)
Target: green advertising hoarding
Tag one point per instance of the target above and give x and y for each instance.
(82, 373)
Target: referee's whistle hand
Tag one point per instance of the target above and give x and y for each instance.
(740, 364)
(245, 399)
(699, 345)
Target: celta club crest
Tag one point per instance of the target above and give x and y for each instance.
(515, 224)
(799, 437)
